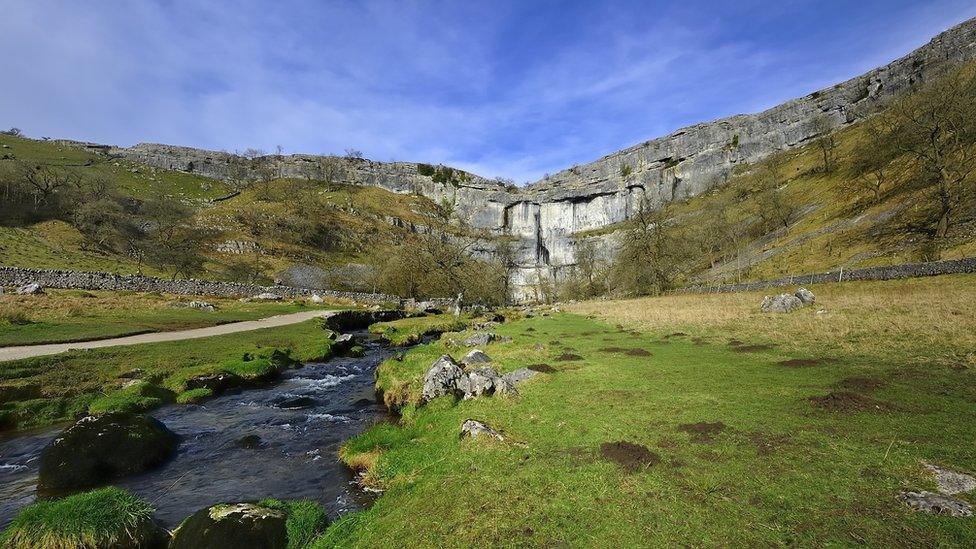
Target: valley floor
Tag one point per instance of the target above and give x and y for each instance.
(741, 428)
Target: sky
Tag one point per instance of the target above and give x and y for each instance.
(510, 89)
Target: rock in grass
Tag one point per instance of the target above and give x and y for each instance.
(518, 376)
(476, 356)
(267, 296)
(98, 449)
(444, 377)
(805, 296)
(232, 526)
(937, 504)
(31, 289)
(109, 517)
(479, 382)
(505, 387)
(783, 303)
(952, 482)
(480, 339)
(216, 382)
(475, 429)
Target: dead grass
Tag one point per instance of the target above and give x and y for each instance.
(912, 319)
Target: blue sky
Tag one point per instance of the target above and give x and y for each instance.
(514, 89)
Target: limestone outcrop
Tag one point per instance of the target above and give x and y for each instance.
(546, 216)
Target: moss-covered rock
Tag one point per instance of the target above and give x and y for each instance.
(232, 526)
(98, 449)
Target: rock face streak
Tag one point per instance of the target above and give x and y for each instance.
(543, 217)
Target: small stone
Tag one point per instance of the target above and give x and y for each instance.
(937, 504)
(480, 339)
(476, 356)
(31, 289)
(267, 296)
(474, 429)
(316, 298)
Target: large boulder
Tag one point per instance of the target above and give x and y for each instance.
(444, 377)
(230, 526)
(98, 449)
(476, 356)
(805, 296)
(783, 303)
(31, 289)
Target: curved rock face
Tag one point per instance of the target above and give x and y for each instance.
(547, 214)
(232, 526)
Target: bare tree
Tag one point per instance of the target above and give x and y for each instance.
(825, 142)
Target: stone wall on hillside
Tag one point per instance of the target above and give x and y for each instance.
(892, 272)
(53, 278)
(545, 216)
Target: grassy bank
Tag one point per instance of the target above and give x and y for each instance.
(51, 389)
(407, 331)
(792, 433)
(62, 316)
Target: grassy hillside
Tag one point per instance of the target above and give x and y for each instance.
(740, 428)
(274, 224)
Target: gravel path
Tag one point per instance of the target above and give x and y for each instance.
(28, 351)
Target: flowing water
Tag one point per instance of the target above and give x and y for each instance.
(296, 458)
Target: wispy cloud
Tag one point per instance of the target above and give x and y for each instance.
(515, 89)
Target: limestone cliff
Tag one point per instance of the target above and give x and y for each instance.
(544, 216)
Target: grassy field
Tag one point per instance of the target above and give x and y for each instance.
(76, 315)
(749, 429)
(46, 390)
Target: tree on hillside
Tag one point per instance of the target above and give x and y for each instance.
(653, 257)
(935, 129)
(871, 160)
(771, 204)
(174, 242)
(825, 141)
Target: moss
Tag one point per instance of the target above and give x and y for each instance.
(306, 520)
(109, 517)
(193, 396)
(138, 397)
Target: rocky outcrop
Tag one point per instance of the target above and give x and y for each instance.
(98, 449)
(443, 378)
(546, 217)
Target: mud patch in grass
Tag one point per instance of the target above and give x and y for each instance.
(754, 348)
(858, 383)
(702, 431)
(845, 401)
(637, 352)
(542, 368)
(568, 357)
(805, 362)
(629, 456)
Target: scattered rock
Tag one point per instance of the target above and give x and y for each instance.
(476, 356)
(444, 377)
(98, 449)
(217, 382)
(266, 296)
(474, 429)
(937, 504)
(31, 289)
(232, 525)
(316, 298)
(480, 339)
(478, 382)
(805, 296)
(538, 347)
(783, 303)
(520, 375)
(201, 305)
(629, 456)
(951, 482)
(505, 387)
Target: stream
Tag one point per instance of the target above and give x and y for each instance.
(296, 458)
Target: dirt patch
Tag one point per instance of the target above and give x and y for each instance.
(844, 401)
(530, 329)
(734, 343)
(800, 362)
(637, 352)
(767, 443)
(613, 350)
(756, 347)
(543, 368)
(857, 383)
(702, 431)
(567, 357)
(629, 456)
(555, 342)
